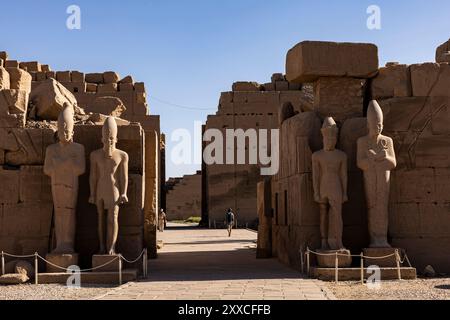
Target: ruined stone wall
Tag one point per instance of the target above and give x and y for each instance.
(414, 100)
(248, 106)
(26, 86)
(183, 198)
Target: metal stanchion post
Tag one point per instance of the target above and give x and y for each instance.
(397, 258)
(3, 263)
(120, 269)
(362, 268)
(307, 262)
(336, 266)
(36, 268)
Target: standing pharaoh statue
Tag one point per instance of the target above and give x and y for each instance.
(376, 157)
(330, 186)
(108, 183)
(64, 163)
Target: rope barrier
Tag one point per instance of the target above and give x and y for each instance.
(350, 255)
(84, 270)
(36, 256)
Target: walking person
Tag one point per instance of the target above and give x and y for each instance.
(162, 220)
(229, 219)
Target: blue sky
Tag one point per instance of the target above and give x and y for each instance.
(187, 52)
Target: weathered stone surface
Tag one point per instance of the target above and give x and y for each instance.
(340, 98)
(376, 253)
(12, 64)
(99, 119)
(77, 76)
(63, 76)
(246, 86)
(4, 79)
(4, 55)
(12, 121)
(94, 77)
(27, 221)
(309, 60)
(49, 97)
(127, 87)
(328, 259)
(34, 185)
(20, 79)
(108, 106)
(442, 52)
(406, 114)
(91, 87)
(31, 146)
(264, 198)
(32, 66)
(392, 81)
(10, 186)
(110, 77)
(430, 79)
(61, 260)
(24, 267)
(139, 87)
(107, 88)
(184, 198)
(13, 278)
(351, 131)
(127, 79)
(111, 261)
(14, 101)
(50, 75)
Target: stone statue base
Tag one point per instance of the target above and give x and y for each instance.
(390, 262)
(344, 258)
(62, 260)
(101, 259)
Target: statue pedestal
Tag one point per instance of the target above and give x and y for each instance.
(62, 260)
(380, 252)
(101, 259)
(329, 261)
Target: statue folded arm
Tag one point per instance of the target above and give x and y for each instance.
(362, 161)
(390, 161)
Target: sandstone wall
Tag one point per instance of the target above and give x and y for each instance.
(248, 106)
(23, 144)
(414, 100)
(183, 199)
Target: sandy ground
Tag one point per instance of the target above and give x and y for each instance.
(420, 289)
(50, 292)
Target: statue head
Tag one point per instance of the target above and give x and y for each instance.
(374, 118)
(329, 132)
(66, 124)
(109, 136)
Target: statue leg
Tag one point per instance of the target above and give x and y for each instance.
(324, 225)
(380, 219)
(113, 230)
(64, 230)
(335, 226)
(101, 227)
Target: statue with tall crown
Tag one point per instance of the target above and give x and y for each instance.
(108, 184)
(64, 163)
(376, 158)
(330, 186)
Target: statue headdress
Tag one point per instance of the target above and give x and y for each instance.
(329, 128)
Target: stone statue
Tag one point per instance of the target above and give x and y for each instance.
(376, 157)
(330, 186)
(108, 183)
(64, 163)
